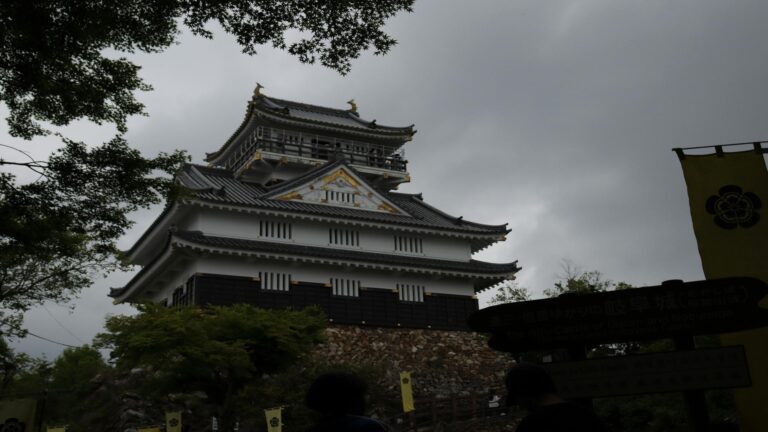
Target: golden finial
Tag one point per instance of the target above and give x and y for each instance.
(257, 91)
(353, 105)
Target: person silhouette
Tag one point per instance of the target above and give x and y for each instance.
(340, 399)
(530, 387)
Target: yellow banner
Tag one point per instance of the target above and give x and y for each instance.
(150, 429)
(173, 421)
(406, 388)
(64, 429)
(728, 195)
(18, 411)
(274, 419)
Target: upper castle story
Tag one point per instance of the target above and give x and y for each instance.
(279, 140)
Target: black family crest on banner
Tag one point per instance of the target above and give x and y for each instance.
(734, 208)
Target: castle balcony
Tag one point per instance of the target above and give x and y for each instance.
(294, 148)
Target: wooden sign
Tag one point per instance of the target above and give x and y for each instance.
(700, 369)
(668, 310)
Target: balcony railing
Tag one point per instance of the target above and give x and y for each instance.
(291, 143)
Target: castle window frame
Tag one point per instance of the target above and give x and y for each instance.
(344, 237)
(409, 244)
(341, 287)
(274, 281)
(412, 293)
(339, 197)
(272, 229)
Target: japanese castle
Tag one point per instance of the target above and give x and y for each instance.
(298, 208)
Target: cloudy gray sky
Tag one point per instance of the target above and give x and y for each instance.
(557, 117)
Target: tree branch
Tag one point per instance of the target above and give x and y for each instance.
(35, 166)
(19, 150)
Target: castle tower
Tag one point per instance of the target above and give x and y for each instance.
(298, 208)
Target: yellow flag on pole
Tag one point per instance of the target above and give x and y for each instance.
(274, 419)
(173, 421)
(728, 196)
(406, 388)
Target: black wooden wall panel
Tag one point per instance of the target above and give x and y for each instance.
(376, 307)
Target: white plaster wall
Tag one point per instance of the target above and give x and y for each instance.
(246, 226)
(190, 221)
(239, 266)
(433, 246)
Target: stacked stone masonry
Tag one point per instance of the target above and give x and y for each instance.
(442, 363)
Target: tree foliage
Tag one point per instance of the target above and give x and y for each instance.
(574, 280)
(55, 62)
(217, 350)
(24, 375)
(72, 378)
(56, 233)
(510, 292)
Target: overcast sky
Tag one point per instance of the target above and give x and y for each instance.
(556, 117)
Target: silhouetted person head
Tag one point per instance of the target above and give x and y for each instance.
(529, 385)
(337, 393)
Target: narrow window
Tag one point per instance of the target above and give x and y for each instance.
(340, 197)
(410, 292)
(345, 287)
(343, 237)
(272, 281)
(409, 244)
(276, 230)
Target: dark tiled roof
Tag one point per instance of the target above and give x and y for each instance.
(318, 116)
(472, 266)
(216, 185)
(338, 117)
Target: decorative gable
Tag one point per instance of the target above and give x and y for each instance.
(340, 187)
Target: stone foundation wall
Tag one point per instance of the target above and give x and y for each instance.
(441, 362)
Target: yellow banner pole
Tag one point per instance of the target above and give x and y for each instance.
(728, 197)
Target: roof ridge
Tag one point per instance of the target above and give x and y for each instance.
(209, 169)
(336, 112)
(328, 110)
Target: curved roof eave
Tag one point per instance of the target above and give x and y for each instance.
(460, 219)
(415, 227)
(472, 268)
(492, 274)
(218, 187)
(171, 208)
(121, 294)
